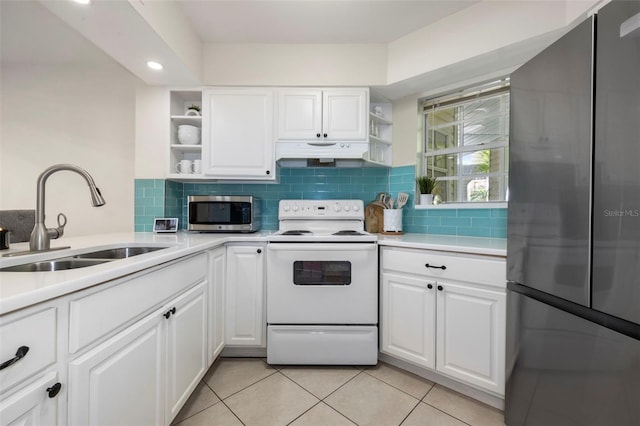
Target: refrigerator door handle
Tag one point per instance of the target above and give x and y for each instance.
(631, 27)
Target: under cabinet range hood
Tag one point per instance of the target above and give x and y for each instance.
(323, 154)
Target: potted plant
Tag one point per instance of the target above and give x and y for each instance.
(426, 185)
(193, 110)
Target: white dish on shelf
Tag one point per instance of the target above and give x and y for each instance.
(188, 135)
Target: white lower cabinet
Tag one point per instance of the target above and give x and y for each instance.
(143, 370)
(144, 374)
(471, 335)
(32, 405)
(408, 318)
(32, 375)
(187, 359)
(451, 320)
(217, 282)
(245, 296)
(122, 380)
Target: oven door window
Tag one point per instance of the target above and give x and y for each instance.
(321, 272)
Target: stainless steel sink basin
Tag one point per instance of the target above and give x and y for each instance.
(54, 265)
(81, 260)
(117, 253)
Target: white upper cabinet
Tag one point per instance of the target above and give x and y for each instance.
(299, 114)
(237, 134)
(321, 116)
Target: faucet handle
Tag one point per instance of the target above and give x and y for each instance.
(62, 221)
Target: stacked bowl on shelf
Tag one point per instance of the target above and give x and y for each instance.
(188, 135)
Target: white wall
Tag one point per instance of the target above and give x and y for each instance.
(152, 132)
(69, 114)
(484, 27)
(295, 64)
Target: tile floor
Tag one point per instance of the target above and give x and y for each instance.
(248, 391)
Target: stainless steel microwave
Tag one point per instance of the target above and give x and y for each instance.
(224, 213)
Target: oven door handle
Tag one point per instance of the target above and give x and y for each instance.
(322, 247)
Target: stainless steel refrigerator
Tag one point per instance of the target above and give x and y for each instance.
(573, 254)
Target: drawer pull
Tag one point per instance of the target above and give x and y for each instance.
(53, 390)
(429, 286)
(435, 267)
(20, 353)
(440, 288)
(169, 312)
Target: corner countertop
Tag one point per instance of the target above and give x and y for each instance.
(22, 289)
(451, 243)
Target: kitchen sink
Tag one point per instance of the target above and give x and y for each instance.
(54, 265)
(82, 260)
(117, 253)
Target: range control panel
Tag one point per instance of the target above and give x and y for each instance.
(321, 209)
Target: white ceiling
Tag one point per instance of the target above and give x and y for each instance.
(30, 34)
(312, 21)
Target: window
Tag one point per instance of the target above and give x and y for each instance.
(466, 144)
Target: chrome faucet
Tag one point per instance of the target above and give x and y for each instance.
(41, 235)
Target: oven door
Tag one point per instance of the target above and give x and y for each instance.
(318, 283)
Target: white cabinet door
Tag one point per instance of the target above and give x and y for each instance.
(327, 115)
(186, 346)
(217, 280)
(237, 134)
(345, 114)
(300, 115)
(471, 334)
(245, 319)
(408, 318)
(121, 381)
(32, 405)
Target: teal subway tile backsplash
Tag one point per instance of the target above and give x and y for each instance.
(149, 203)
(157, 197)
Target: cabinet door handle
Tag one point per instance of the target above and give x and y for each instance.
(435, 267)
(53, 390)
(259, 251)
(20, 353)
(429, 286)
(318, 135)
(325, 135)
(268, 172)
(439, 288)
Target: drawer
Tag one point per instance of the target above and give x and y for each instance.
(478, 269)
(37, 332)
(96, 315)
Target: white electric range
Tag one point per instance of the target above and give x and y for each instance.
(322, 285)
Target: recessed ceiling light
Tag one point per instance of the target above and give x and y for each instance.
(154, 65)
(83, 1)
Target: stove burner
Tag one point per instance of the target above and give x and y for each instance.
(348, 232)
(296, 232)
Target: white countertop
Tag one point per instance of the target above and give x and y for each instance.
(22, 289)
(470, 245)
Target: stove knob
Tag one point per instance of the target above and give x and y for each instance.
(341, 145)
(286, 207)
(296, 207)
(347, 208)
(337, 207)
(355, 208)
